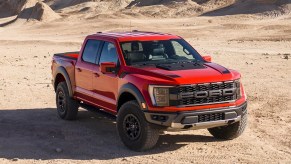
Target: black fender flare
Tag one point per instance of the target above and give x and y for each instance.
(132, 89)
(63, 72)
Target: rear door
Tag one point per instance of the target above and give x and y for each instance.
(105, 86)
(83, 69)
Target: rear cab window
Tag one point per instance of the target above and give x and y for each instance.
(91, 51)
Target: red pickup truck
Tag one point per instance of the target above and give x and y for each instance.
(152, 82)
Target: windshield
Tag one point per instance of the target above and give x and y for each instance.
(158, 52)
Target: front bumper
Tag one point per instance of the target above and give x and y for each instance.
(197, 119)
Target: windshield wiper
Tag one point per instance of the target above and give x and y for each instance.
(143, 64)
(174, 61)
(168, 61)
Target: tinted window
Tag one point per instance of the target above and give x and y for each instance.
(159, 52)
(90, 51)
(181, 51)
(108, 53)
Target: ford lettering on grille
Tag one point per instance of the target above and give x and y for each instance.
(214, 93)
(208, 93)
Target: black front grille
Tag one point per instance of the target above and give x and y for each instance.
(187, 93)
(211, 117)
(189, 101)
(206, 87)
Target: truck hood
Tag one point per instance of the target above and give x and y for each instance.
(211, 72)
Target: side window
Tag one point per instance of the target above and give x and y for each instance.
(109, 53)
(90, 51)
(180, 50)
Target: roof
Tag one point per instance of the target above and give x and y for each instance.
(137, 35)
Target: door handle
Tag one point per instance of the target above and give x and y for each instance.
(79, 69)
(96, 74)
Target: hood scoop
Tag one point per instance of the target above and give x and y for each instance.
(180, 66)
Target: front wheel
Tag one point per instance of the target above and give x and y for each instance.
(133, 129)
(230, 131)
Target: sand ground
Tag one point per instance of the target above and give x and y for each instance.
(31, 131)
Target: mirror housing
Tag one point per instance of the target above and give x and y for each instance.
(108, 67)
(207, 58)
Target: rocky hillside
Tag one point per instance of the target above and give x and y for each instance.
(47, 10)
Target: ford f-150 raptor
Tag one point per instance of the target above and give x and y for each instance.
(152, 82)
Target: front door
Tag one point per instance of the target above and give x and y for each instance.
(105, 86)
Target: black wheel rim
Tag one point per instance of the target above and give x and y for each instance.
(61, 101)
(131, 126)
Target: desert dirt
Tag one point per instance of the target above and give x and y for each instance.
(258, 46)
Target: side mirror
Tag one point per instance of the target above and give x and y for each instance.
(108, 67)
(207, 58)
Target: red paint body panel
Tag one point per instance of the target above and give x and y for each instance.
(101, 90)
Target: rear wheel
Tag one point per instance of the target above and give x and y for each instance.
(230, 131)
(67, 107)
(133, 129)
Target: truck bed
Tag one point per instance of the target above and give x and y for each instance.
(65, 61)
(69, 55)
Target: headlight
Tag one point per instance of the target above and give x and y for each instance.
(238, 90)
(159, 95)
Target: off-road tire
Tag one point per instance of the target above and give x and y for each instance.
(230, 132)
(146, 136)
(67, 107)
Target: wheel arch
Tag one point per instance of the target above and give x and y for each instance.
(130, 92)
(60, 76)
